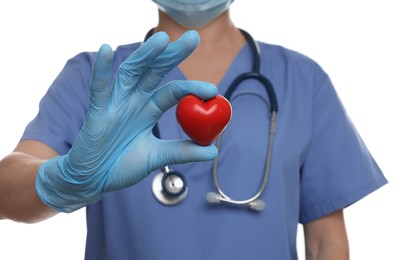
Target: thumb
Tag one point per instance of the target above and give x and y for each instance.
(177, 152)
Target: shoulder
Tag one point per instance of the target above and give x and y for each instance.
(122, 52)
(290, 69)
(289, 60)
(87, 58)
(287, 55)
(127, 48)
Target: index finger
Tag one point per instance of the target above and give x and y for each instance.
(171, 93)
(174, 54)
(134, 66)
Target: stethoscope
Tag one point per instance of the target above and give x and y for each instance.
(169, 187)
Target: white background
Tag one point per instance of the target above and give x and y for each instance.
(364, 45)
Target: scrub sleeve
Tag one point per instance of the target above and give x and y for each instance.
(63, 109)
(338, 169)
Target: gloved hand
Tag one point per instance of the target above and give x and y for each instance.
(115, 147)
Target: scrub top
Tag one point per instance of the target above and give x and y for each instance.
(319, 164)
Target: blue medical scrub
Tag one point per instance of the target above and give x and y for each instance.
(319, 165)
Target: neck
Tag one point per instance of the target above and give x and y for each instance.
(213, 34)
(220, 41)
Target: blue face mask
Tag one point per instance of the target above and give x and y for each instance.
(193, 13)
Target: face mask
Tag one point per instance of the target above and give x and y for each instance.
(193, 13)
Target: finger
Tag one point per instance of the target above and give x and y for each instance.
(171, 93)
(174, 54)
(178, 151)
(140, 60)
(101, 78)
(146, 53)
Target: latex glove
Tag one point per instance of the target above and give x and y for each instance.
(115, 147)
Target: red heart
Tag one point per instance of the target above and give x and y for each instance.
(203, 121)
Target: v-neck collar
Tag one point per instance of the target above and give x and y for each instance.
(240, 64)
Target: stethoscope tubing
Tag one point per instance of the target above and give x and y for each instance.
(226, 198)
(254, 202)
(262, 79)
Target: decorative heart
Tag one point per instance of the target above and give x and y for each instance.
(203, 121)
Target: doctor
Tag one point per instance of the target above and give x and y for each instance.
(92, 147)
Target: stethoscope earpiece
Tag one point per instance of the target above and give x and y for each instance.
(213, 197)
(257, 205)
(216, 198)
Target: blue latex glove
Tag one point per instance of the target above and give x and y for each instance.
(115, 147)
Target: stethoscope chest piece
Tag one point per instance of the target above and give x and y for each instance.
(169, 187)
